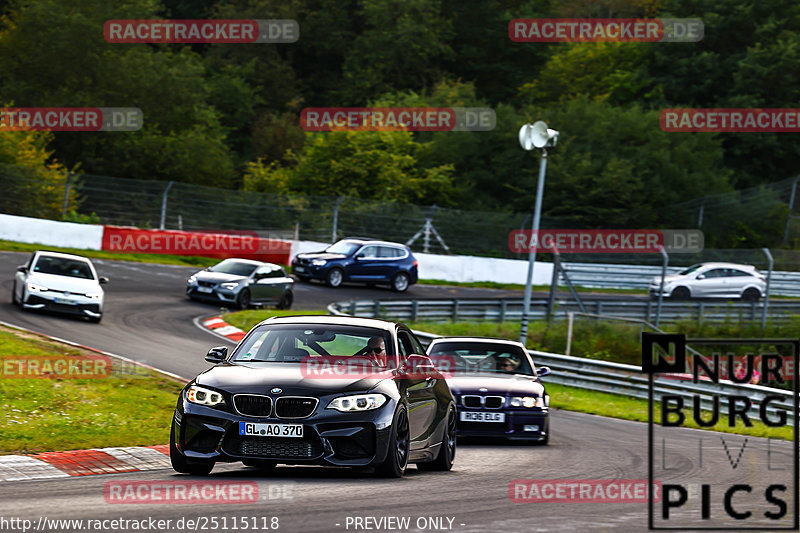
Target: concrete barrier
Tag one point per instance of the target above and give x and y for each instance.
(51, 232)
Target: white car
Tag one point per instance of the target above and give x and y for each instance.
(64, 283)
(713, 280)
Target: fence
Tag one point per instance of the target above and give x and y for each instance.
(628, 380)
(729, 218)
(499, 310)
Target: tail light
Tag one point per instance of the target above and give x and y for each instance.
(416, 263)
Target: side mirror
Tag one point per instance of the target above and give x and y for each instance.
(701, 276)
(22, 269)
(543, 371)
(103, 280)
(359, 256)
(217, 355)
(419, 366)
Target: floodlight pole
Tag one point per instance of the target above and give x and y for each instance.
(537, 214)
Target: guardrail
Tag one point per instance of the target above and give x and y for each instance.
(619, 276)
(499, 310)
(628, 380)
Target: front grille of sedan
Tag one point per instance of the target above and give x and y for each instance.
(489, 402)
(253, 404)
(295, 406)
(206, 283)
(274, 447)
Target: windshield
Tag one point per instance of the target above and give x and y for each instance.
(343, 247)
(690, 269)
(237, 268)
(60, 266)
(484, 358)
(294, 343)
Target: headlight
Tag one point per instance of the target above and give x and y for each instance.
(527, 401)
(192, 280)
(230, 285)
(202, 396)
(94, 295)
(32, 287)
(319, 262)
(358, 402)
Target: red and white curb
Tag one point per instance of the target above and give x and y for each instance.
(53, 465)
(220, 327)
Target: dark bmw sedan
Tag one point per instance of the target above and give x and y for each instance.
(320, 390)
(496, 386)
(358, 260)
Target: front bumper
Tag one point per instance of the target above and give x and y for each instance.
(83, 306)
(513, 428)
(307, 270)
(216, 295)
(329, 437)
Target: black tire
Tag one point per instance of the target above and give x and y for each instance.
(681, 293)
(751, 295)
(286, 300)
(260, 464)
(447, 450)
(244, 299)
(179, 462)
(335, 277)
(14, 293)
(396, 460)
(400, 282)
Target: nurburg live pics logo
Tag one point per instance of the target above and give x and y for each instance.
(725, 500)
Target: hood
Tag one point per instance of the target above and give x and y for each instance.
(500, 386)
(259, 378)
(65, 283)
(667, 279)
(321, 255)
(217, 277)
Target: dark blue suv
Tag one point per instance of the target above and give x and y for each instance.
(361, 261)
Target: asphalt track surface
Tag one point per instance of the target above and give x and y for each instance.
(147, 319)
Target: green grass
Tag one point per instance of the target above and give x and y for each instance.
(164, 259)
(131, 407)
(626, 408)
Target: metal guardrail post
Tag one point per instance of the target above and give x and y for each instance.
(336, 218)
(661, 287)
(571, 288)
(769, 277)
(67, 187)
(570, 319)
(455, 310)
(503, 306)
(164, 205)
(789, 216)
(353, 307)
(551, 297)
(377, 310)
(414, 310)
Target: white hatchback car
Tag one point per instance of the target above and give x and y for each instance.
(64, 283)
(713, 280)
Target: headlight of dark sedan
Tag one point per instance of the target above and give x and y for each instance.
(203, 396)
(527, 401)
(357, 402)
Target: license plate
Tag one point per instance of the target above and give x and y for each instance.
(526, 427)
(270, 430)
(65, 301)
(300, 269)
(204, 289)
(468, 416)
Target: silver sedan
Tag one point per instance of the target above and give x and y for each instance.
(242, 282)
(713, 280)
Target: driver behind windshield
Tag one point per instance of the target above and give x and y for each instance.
(376, 351)
(507, 364)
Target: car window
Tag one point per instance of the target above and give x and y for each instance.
(60, 266)
(343, 247)
(369, 252)
(269, 272)
(691, 269)
(715, 273)
(417, 346)
(734, 273)
(406, 347)
(236, 268)
(480, 357)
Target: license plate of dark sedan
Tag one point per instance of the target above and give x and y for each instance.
(467, 416)
(270, 430)
(299, 269)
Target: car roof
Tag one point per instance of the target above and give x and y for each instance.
(374, 241)
(334, 321)
(492, 340)
(250, 261)
(727, 265)
(61, 255)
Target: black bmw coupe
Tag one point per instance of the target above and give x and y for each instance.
(317, 390)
